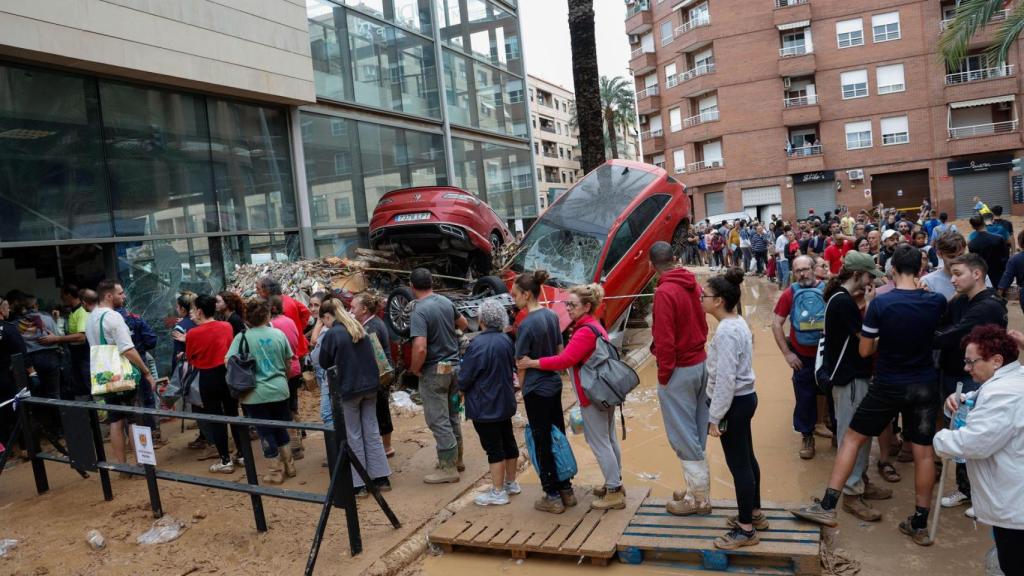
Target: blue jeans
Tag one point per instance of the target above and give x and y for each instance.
(805, 412)
(325, 397)
(782, 270)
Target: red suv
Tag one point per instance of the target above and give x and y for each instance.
(600, 231)
(450, 229)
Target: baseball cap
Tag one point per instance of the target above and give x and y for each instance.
(861, 262)
(888, 233)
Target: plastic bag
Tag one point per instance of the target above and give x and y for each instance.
(403, 402)
(164, 530)
(6, 545)
(991, 563)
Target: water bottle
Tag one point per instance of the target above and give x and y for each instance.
(960, 420)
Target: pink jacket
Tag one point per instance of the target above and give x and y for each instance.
(581, 345)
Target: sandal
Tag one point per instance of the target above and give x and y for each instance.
(888, 472)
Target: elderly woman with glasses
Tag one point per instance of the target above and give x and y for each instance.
(486, 382)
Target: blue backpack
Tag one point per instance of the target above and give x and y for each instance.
(807, 317)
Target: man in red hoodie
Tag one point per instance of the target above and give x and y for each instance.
(680, 331)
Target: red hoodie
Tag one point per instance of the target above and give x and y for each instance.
(679, 327)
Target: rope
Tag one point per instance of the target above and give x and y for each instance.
(834, 561)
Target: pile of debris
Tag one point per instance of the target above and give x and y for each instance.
(302, 278)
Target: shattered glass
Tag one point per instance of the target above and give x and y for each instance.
(568, 256)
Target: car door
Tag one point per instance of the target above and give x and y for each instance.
(626, 267)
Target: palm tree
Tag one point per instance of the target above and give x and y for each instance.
(586, 82)
(625, 116)
(613, 92)
(973, 15)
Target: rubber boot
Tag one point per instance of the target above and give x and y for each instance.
(275, 473)
(298, 452)
(447, 472)
(458, 461)
(698, 490)
(287, 459)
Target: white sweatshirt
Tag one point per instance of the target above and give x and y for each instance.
(992, 442)
(730, 366)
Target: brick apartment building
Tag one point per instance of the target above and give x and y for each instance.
(556, 140)
(782, 106)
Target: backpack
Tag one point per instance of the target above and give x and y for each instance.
(807, 317)
(605, 379)
(241, 370)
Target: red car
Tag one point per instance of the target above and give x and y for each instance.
(600, 231)
(447, 227)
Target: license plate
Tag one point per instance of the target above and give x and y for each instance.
(412, 217)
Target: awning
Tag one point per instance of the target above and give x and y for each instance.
(683, 4)
(982, 101)
(792, 25)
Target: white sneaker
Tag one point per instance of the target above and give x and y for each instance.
(492, 497)
(223, 468)
(970, 513)
(954, 499)
(512, 488)
(238, 461)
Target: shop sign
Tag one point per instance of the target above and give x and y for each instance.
(809, 177)
(959, 167)
(1018, 189)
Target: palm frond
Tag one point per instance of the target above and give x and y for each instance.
(1007, 34)
(971, 16)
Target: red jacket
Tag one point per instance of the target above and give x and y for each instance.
(581, 345)
(299, 314)
(679, 328)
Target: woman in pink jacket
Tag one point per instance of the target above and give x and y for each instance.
(598, 424)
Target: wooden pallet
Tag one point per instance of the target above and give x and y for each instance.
(790, 546)
(520, 530)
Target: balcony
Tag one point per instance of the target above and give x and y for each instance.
(702, 118)
(805, 159)
(996, 17)
(797, 64)
(704, 165)
(976, 130)
(790, 51)
(704, 20)
(548, 154)
(787, 11)
(804, 151)
(653, 140)
(642, 61)
(639, 18)
(809, 100)
(790, 3)
(648, 100)
(696, 80)
(800, 111)
(976, 84)
(979, 75)
(549, 129)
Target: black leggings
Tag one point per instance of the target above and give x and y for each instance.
(213, 389)
(384, 424)
(498, 440)
(738, 444)
(1010, 547)
(543, 412)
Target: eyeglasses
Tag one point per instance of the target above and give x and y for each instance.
(971, 362)
(706, 295)
(801, 270)
(571, 305)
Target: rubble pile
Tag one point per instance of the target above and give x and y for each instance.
(302, 278)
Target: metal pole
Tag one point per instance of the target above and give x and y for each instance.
(32, 444)
(154, 491)
(101, 456)
(252, 478)
(343, 494)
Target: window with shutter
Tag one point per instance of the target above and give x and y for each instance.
(890, 79)
(895, 131)
(854, 83)
(679, 160)
(858, 135)
(885, 27)
(850, 33)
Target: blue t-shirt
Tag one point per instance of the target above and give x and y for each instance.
(904, 321)
(538, 337)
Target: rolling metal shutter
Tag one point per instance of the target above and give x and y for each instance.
(821, 196)
(714, 203)
(992, 187)
(762, 196)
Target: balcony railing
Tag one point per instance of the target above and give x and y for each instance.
(673, 81)
(996, 17)
(705, 116)
(637, 8)
(809, 100)
(705, 165)
(550, 154)
(982, 129)
(550, 129)
(803, 151)
(641, 51)
(975, 75)
(784, 3)
(695, 72)
(647, 92)
(798, 50)
(704, 20)
(647, 135)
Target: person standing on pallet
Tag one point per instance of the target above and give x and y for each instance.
(435, 350)
(679, 332)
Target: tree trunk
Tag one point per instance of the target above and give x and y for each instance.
(612, 140)
(586, 81)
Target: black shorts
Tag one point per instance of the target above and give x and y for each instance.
(498, 440)
(118, 399)
(883, 402)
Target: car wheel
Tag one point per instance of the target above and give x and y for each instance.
(399, 310)
(679, 237)
(489, 286)
(495, 243)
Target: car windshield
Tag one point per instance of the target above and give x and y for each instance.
(568, 239)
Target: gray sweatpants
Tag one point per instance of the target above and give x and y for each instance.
(438, 409)
(684, 408)
(846, 399)
(599, 432)
(364, 437)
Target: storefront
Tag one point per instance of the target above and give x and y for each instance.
(762, 202)
(903, 190)
(814, 191)
(985, 177)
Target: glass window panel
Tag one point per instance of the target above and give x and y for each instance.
(340, 242)
(412, 14)
(505, 173)
(331, 170)
(457, 71)
(51, 173)
(252, 166)
(358, 59)
(398, 159)
(158, 155)
(481, 28)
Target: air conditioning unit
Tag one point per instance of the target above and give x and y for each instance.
(715, 164)
(634, 38)
(855, 174)
(787, 82)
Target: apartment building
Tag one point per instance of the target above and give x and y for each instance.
(556, 139)
(784, 106)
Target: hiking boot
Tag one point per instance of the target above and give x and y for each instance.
(298, 452)
(223, 467)
(209, 454)
(815, 513)
(858, 507)
(382, 484)
(360, 492)
(954, 499)
(807, 448)
(822, 431)
(614, 499)
(552, 504)
(874, 491)
(492, 497)
(512, 488)
(759, 520)
(600, 491)
(288, 460)
(446, 474)
(918, 535)
(737, 538)
(275, 473)
(689, 506)
(568, 497)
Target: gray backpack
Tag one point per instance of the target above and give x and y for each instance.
(605, 379)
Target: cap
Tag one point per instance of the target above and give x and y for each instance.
(888, 233)
(860, 262)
